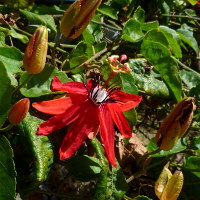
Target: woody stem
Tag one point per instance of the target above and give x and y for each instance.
(53, 54)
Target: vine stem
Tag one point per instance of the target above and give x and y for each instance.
(143, 170)
(88, 61)
(184, 66)
(146, 155)
(24, 83)
(62, 38)
(7, 128)
(181, 16)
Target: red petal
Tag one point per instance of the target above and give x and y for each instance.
(120, 120)
(61, 120)
(53, 107)
(79, 130)
(70, 87)
(107, 133)
(126, 100)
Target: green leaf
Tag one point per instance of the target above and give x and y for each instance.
(96, 29)
(83, 167)
(7, 171)
(6, 91)
(128, 83)
(180, 146)
(193, 163)
(147, 26)
(193, 2)
(88, 37)
(12, 59)
(139, 15)
(173, 39)
(108, 10)
(40, 149)
(21, 37)
(195, 144)
(191, 79)
(40, 83)
(132, 31)
(46, 20)
(195, 92)
(160, 56)
(186, 35)
(152, 86)
(75, 61)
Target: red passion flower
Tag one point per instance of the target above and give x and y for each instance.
(89, 107)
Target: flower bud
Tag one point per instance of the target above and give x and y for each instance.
(173, 187)
(36, 51)
(18, 111)
(116, 64)
(175, 124)
(77, 17)
(169, 186)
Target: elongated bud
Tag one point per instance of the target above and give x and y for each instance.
(18, 111)
(77, 17)
(169, 186)
(36, 51)
(175, 124)
(173, 187)
(161, 183)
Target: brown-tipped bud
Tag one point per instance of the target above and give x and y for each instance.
(161, 183)
(175, 124)
(36, 51)
(169, 186)
(77, 17)
(18, 111)
(173, 187)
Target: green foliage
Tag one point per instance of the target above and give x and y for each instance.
(40, 83)
(181, 145)
(39, 148)
(7, 170)
(84, 168)
(6, 90)
(161, 41)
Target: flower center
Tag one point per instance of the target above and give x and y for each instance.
(98, 95)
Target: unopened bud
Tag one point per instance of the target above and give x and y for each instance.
(18, 111)
(36, 51)
(175, 124)
(173, 187)
(169, 186)
(77, 17)
(116, 64)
